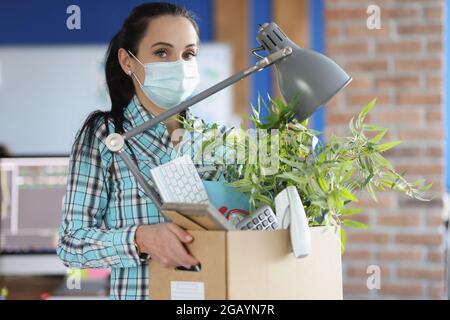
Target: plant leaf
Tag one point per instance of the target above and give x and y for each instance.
(291, 176)
(348, 212)
(348, 195)
(343, 240)
(264, 199)
(322, 184)
(354, 224)
(379, 136)
(362, 115)
(386, 146)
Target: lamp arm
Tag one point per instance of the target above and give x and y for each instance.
(261, 64)
(149, 190)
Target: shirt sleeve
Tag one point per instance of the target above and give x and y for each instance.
(83, 241)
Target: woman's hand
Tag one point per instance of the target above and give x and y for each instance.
(165, 244)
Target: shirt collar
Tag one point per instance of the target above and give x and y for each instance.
(137, 114)
(158, 135)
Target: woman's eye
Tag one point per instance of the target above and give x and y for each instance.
(159, 52)
(190, 54)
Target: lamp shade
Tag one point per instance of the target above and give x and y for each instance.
(312, 77)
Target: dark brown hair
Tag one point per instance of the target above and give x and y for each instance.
(120, 85)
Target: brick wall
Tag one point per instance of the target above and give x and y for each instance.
(401, 65)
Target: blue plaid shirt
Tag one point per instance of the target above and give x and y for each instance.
(104, 204)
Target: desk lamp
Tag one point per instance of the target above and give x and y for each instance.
(310, 76)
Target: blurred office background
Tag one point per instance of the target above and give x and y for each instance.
(51, 78)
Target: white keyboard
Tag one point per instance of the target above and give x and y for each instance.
(178, 182)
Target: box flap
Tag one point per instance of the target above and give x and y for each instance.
(182, 221)
(204, 214)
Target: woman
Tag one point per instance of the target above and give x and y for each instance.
(108, 220)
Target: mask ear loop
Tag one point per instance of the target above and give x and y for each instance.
(136, 58)
(131, 73)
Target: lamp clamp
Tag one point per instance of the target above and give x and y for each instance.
(114, 142)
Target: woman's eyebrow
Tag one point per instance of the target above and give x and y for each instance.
(170, 45)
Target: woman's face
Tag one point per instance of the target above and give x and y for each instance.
(168, 38)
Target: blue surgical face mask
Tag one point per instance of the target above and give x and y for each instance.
(167, 84)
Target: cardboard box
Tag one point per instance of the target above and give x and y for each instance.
(254, 265)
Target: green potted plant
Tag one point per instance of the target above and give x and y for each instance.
(328, 176)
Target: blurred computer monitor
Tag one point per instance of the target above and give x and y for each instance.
(31, 197)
